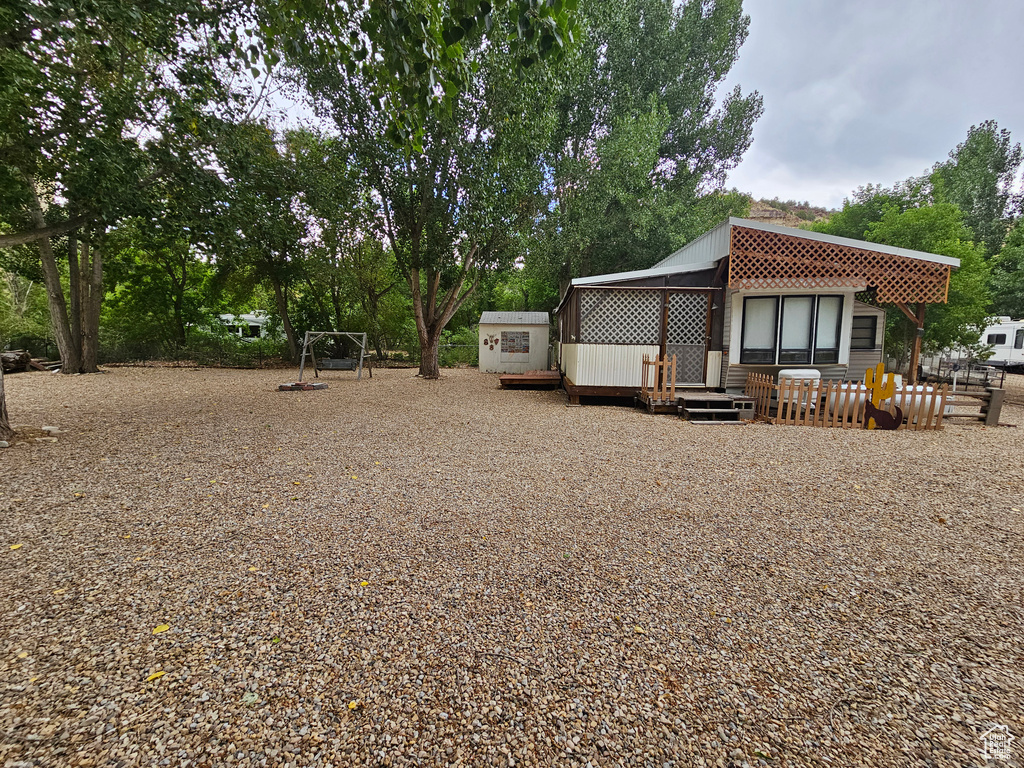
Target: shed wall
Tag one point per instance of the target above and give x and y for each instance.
(494, 361)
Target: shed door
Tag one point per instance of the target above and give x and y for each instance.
(687, 336)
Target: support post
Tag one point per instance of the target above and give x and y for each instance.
(302, 361)
(362, 349)
(915, 354)
(994, 406)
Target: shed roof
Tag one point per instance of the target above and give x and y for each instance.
(514, 318)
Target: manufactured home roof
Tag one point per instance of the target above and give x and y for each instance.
(642, 273)
(713, 245)
(514, 318)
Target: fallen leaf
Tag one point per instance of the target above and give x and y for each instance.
(640, 630)
(161, 628)
(60, 591)
(16, 546)
(276, 640)
(364, 583)
(252, 567)
(355, 477)
(155, 675)
(23, 655)
(127, 535)
(353, 705)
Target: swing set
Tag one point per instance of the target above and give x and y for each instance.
(336, 363)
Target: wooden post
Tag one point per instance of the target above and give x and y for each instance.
(994, 406)
(915, 354)
(302, 361)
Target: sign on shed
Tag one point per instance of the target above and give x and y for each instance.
(513, 342)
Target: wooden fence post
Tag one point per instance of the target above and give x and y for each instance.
(994, 406)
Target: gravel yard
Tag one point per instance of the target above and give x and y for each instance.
(406, 572)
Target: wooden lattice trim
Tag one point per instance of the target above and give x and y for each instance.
(760, 259)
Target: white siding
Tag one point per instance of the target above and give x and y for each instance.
(714, 370)
(605, 365)
(491, 359)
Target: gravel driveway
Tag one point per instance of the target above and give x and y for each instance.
(404, 572)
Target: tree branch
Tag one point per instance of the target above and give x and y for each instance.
(32, 235)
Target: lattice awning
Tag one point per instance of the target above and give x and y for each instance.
(760, 259)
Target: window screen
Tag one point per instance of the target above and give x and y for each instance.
(826, 334)
(996, 339)
(760, 317)
(864, 329)
(1018, 339)
(795, 341)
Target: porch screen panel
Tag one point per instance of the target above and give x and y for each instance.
(687, 335)
(795, 339)
(620, 317)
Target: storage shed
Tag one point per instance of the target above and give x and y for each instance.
(514, 342)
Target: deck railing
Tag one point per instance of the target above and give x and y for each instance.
(816, 403)
(658, 379)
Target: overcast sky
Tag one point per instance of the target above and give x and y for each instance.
(872, 91)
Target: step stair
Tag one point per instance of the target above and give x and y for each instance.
(716, 408)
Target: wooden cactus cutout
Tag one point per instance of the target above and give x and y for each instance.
(880, 386)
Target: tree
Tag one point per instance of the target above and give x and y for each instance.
(640, 141)
(937, 229)
(262, 227)
(979, 178)
(1008, 276)
(457, 208)
(96, 100)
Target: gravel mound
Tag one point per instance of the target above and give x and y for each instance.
(203, 571)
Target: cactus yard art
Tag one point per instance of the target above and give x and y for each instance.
(881, 387)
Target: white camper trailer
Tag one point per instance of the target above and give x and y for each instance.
(1006, 338)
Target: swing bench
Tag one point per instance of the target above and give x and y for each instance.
(333, 363)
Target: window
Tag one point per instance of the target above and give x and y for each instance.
(791, 330)
(865, 327)
(996, 339)
(1018, 339)
(826, 336)
(760, 318)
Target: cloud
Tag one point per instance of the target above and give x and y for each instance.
(874, 91)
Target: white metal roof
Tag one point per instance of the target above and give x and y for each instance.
(714, 244)
(514, 318)
(642, 273)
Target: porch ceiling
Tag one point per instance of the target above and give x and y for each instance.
(764, 259)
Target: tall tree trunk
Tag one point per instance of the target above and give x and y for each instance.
(433, 312)
(282, 310)
(5, 423)
(75, 288)
(70, 353)
(429, 341)
(92, 295)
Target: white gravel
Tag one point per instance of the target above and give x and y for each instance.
(403, 572)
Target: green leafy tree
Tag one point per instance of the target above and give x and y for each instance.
(937, 229)
(457, 209)
(979, 178)
(1008, 276)
(640, 140)
(262, 228)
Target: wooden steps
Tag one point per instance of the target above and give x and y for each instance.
(531, 380)
(715, 407)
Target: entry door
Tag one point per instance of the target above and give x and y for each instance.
(687, 336)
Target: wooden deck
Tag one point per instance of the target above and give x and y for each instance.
(531, 380)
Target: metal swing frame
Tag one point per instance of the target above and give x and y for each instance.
(312, 337)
